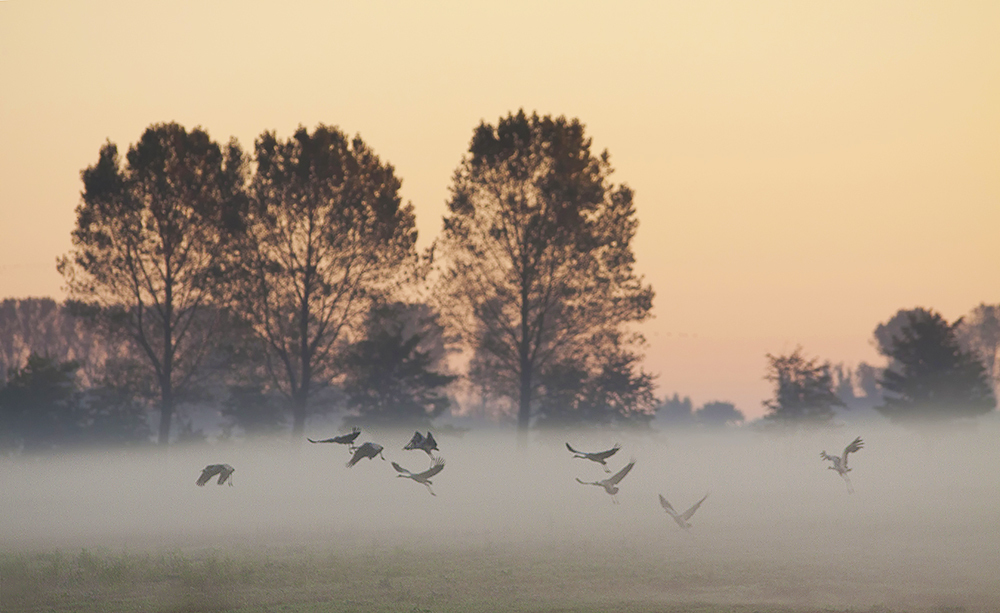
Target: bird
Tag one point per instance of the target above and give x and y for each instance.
(424, 443)
(682, 519)
(840, 463)
(424, 477)
(225, 471)
(610, 484)
(366, 450)
(343, 439)
(597, 456)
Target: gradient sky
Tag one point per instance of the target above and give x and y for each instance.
(802, 169)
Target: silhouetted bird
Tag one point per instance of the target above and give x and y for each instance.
(682, 519)
(343, 439)
(225, 471)
(610, 484)
(424, 477)
(840, 463)
(423, 443)
(366, 450)
(597, 456)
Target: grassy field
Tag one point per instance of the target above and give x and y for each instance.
(417, 578)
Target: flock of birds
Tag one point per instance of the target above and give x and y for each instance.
(427, 444)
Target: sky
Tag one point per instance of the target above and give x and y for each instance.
(802, 170)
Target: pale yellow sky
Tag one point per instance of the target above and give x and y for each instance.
(802, 169)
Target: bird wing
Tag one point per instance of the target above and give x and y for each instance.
(437, 467)
(604, 455)
(571, 449)
(346, 439)
(208, 472)
(226, 472)
(364, 451)
(415, 441)
(666, 506)
(587, 482)
(855, 445)
(687, 514)
(429, 442)
(621, 473)
(326, 440)
(400, 469)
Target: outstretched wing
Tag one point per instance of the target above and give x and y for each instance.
(621, 473)
(604, 455)
(687, 514)
(587, 482)
(208, 472)
(347, 439)
(415, 442)
(573, 450)
(400, 469)
(437, 467)
(855, 445)
(666, 506)
(429, 442)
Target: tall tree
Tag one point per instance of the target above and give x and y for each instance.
(39, 405)
(327, 235)
(930, 376)
(979, 332)
(149, 245)
(538, 263)
(803, 390)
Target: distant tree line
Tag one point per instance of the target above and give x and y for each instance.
(285, 282)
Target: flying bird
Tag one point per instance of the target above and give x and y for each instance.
(597, 456)
(367, 450)
(225, 471)
(682, 519)
(840, 463)
(610, 484)
(423, 443)
(424, 477)
(343, 439)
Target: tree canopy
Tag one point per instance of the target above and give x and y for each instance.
(326, 237)
(930, 376)
(803, 390)
(537, 263)
(150, 239)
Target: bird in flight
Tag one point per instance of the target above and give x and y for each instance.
(366, 450)
(840, 462)
(343, 439)
(610, 484)
(424, 443)
(225, 471)
(597, 456)
(424, 477)
(682, 519)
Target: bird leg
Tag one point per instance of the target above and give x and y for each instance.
(429, 489)
(850, 490)
(606, 469)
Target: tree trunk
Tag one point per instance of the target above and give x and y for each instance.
(524, 409)
(166, 414)
(298, 416)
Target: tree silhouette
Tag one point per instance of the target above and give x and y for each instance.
(717, 414)
(326, 236)
(149, 244)
(803, 390)
(979, 332)
(607, 391)
(38, 405)
(536, 254)
(392, 376)
(930, 377)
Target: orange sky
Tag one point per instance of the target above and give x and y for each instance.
(802, 169)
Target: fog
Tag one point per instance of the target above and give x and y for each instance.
(921, 530)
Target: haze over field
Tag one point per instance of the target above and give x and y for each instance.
(920, 533)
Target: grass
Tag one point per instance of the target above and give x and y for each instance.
(397, 578)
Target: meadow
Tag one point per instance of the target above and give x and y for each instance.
(510, 531)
